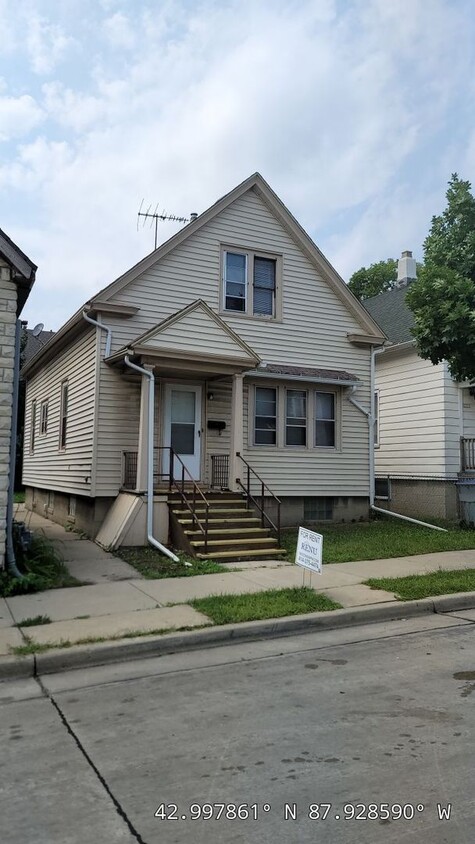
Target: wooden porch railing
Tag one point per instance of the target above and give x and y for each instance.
(467, 454)
(259, 501)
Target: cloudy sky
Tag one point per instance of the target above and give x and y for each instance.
(355, 111)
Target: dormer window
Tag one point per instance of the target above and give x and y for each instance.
(250, 283)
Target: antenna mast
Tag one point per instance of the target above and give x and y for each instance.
(154, 217)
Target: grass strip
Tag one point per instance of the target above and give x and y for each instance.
(273, 603)
(417, 586)
(382, 538)
(155, 566)
(34, 621)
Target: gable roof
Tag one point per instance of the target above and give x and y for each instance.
(257, 183)
(391, 311)
(188, 331)
(24, 269)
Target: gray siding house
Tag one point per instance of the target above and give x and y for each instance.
(254, 345)
(17, 275)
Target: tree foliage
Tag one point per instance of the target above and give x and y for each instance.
(375, 279)
(443, 297)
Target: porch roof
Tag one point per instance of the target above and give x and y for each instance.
(194, 339)
(287, 372)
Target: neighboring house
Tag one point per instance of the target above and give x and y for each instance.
(256, 346)
(425, 419)
(35, 342)
(17, 275)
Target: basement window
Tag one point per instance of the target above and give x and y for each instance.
(382, 488)
(318, 509)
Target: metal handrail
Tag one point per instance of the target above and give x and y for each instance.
(173, 482)
(250, 497)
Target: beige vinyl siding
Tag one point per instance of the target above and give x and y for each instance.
(49, 467)
(288, 471)
(313, 332)
(117, 425)
(411, 415)
(195, 333)
(453, 396)
(315, 321)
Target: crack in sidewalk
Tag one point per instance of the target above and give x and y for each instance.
(120, 811)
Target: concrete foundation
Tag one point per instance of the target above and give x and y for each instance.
(422, 498)
(299, 510)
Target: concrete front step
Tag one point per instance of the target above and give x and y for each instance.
(224, 523)
(254, 554)
(229, 533)
(214, 512)
(234, 545)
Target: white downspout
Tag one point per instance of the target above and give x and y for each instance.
(370, 415)
(151, 424)
(104, 328)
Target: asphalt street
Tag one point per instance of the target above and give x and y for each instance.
(363, 734)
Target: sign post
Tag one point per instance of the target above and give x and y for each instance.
(309, 552)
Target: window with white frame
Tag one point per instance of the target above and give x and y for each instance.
(33, 426)
(265, 419)
(296, 417)
(250, 283)
(325, 422)
(63, 417)
(285, 417)
(44, 417)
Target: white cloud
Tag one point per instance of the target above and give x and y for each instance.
(18, 116)
(340, 106)
(46, 43)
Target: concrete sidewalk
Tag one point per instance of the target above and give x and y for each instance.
(117, 601)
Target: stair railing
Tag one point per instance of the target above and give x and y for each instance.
(179, 485)
(260, 500)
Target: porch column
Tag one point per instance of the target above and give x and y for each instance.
(235, 470)
(141, 481)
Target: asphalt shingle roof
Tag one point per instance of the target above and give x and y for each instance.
(392, 313)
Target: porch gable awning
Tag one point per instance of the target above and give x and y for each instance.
(195, 337)
(287, 372)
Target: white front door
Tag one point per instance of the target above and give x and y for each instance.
(183, 429)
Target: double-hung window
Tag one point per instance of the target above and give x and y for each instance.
(288, 418)
(265, 428)
(250, 283)
(63, 418)
(44, 417)
(296, 417)
(235, 281)
(325, 423)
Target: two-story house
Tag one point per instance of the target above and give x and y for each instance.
(230, 358)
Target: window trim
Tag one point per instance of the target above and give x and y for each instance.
(33, 415)
(63, 414)
(44, 413)
(377, 421)
(251, 254)
(282, 389)
(334, 420)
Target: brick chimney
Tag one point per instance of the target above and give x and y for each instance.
(406, 269)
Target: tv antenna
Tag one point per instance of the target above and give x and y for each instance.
(154, 217)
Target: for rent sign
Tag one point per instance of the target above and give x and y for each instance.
(309, 550)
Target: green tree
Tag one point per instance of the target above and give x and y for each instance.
(375, 279)
(443, 297)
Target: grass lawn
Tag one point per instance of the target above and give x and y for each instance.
(153, 565)
(274, 603)
(380, 539)
(19, 497)
(426, 585)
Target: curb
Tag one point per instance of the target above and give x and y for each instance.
(123, 650)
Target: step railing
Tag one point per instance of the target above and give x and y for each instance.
(467, 454)
(189, 496)
(259, 501)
